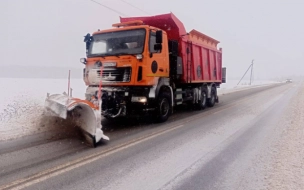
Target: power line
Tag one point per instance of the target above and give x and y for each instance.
(109, 8)
(135, 7)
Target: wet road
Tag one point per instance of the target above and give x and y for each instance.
(217, 148)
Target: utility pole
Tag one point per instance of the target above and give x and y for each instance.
(251, 71)
(250, 66)
(69, 82)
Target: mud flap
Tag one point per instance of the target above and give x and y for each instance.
(84, 113)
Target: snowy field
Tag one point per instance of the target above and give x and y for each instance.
(231, 85)
(22, 100)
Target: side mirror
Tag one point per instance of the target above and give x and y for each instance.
(159, 36)
(158, 47)
(88, 39)
(83, 60)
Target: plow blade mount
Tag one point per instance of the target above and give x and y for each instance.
(84, 113)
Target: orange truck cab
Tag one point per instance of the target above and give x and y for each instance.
(149, 65)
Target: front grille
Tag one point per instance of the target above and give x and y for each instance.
(115, 74)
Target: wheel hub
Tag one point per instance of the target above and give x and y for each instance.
(164, 107)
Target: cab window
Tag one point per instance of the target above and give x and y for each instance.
(152, 42)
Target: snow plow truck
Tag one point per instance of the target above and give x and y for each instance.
(149, 65)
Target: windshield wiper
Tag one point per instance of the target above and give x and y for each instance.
(110, 54)
(124, 53)
(97, 55)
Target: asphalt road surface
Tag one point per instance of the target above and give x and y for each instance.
(235, 145)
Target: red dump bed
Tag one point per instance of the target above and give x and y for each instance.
(203, 63)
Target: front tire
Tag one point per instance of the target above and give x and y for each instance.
(164, 109)
(108, 118)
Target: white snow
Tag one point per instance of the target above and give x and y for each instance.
(22, 101)
(287, 168)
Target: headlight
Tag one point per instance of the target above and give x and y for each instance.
(139, 56)
(141, 99)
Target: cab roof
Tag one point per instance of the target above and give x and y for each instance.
(167, 22)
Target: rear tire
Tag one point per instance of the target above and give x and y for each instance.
(203, 102)
(163, 110)
(212, 99)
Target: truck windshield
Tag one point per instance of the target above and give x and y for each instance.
(118, 43)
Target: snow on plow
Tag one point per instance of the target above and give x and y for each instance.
(85, 114)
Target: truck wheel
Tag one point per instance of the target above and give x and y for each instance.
(211, 100)
(163, 107)
(203, 102)
(108, 118)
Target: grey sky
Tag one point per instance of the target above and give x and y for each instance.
(50, 32)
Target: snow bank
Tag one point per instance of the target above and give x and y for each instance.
(22, 101)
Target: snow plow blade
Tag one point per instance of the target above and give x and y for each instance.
(84, 113)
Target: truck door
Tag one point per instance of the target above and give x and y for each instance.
(158, 61)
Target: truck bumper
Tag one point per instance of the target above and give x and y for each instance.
(122, 101)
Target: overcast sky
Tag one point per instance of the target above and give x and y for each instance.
(50, 32)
